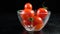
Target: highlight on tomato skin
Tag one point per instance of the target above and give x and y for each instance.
(27, 13)
(38, 22)
(29, 18)
(42, 12)
(32, 20)
(35, 22)
(28, 6)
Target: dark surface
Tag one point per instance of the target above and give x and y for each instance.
(9, 23)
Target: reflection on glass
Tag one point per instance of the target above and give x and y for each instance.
(31, 30)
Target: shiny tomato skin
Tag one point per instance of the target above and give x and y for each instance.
(28, 6)
(42, 12)
(27, 13)
(26, 22)
(38, 22)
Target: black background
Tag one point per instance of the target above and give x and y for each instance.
(10, 24)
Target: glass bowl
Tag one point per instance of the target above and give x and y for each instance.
(45, 21)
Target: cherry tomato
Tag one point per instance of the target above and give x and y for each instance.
(42, 12)
(38, 23)
(26, 22)
(27, 13)
(28, 6)
(35, 21)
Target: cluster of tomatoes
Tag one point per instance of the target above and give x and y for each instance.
(29, 17)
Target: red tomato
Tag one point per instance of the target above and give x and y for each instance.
(42, 12)
(38, 23)
(35, 21)
(28, 6)
(26, 22)
(27, 13)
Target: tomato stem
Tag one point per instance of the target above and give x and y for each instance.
(31, 19)
(44, 6)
